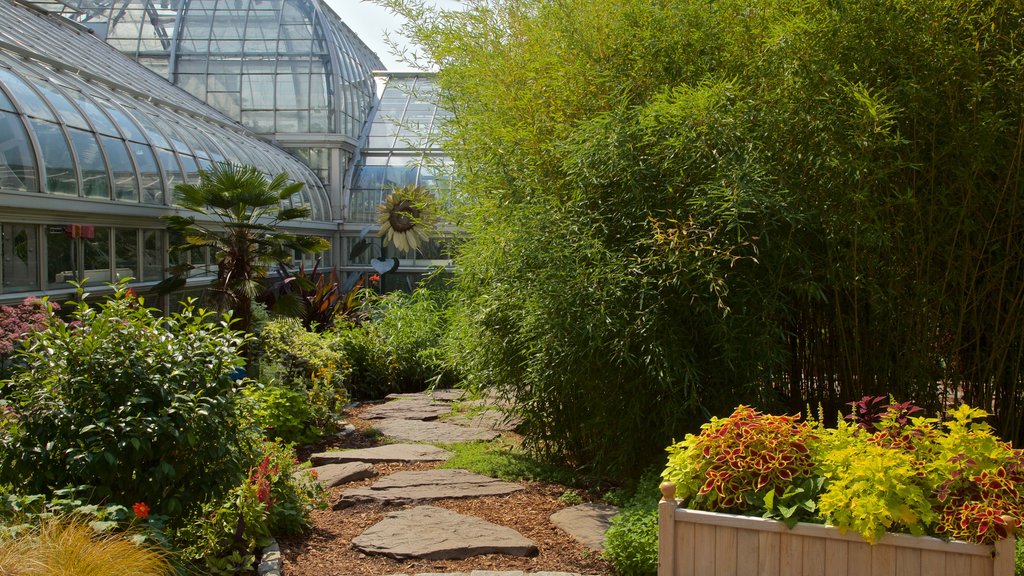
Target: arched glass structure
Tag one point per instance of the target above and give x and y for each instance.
(278, 66)
(401, 146)
(91, 147)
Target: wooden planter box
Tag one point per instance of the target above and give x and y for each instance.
(697, 543)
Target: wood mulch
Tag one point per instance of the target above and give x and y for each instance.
(327, 549)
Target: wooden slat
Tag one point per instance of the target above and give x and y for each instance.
(768, 550)
(667, 524)
(837, 557)
(908, 562)
(933, 563)
(818, 530)
(957, 565)
(791, 553)
(684, 550)
(980, 566)
(883, 560)
(1002, 565)
(703, 550)
(748, 546)
(725, 552)
(859, 559)
(814, 557)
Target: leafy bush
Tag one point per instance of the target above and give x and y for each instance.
(952, 478)
(59, 545)
(223, 538)
(631, 543)
(412, 326)
(371, 361)
(659, 225)
(137, 406)
(283, 412)
(307, 362)
(16, 322)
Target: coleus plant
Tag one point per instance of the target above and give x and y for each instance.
(881, 470)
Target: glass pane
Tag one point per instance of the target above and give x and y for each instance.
(20, 252)
(61, 256)
(153, 250)
(5, 103)
(172, 171)
(152, 184)
(190, 168)
(29, 101)
(68, 112)
(17, 161)
(156, 136)
(60, 170)
(100, 121)
(130, 128)
(96, 255)
(95, 183)
(126, 253)
(126, 186)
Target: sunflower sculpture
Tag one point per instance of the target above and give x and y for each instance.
(407, 217)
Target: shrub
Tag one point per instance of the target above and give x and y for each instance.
(16, 322)
(223, 538)
(139, 407)
(371, 361)
(308, 362)
(59, 546)
(631, 543)
(282, 412)
(412, 327)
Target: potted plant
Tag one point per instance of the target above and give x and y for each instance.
(883, 492)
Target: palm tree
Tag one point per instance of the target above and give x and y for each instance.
(241, 210)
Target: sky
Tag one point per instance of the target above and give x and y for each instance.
(369, 21)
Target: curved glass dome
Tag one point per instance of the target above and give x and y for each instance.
(278, 66)
(70, 126)
(401, 146)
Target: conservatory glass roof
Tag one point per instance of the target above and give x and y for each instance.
(79, 119)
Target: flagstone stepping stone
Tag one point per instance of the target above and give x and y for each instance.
(487, 419)
(411, 409)
(434, 432)
(332, 475)
(444, 395)
(385, 453)
(420, 485)
(434, 533)
(586, 523)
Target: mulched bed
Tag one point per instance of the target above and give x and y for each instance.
(327, 550)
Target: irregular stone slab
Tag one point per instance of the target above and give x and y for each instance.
(487, 419)
(434, 533)
(434, 432)
(421, 485)
(332, 475)
(586, 523)
(385, 453)
(443, 395)
(497, 573)
(411, 409)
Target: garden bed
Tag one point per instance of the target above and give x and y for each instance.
(699, 543)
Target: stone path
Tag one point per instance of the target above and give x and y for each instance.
(429, 532)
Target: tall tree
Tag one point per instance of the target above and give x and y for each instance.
(241, 211)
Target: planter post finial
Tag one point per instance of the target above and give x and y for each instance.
(668, 491)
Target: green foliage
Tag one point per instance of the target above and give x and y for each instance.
(631, 543)
(1018, 559)
(398, 345)
(508, 462)
(671, 207)
(571, 498)
(223, 537)
(412, 327)
(952, 478)
(309, 363)
(139, 407)
(247, 208)
(282, 412)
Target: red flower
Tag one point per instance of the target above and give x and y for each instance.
(141, 510)
(129, 294)
(375, 279)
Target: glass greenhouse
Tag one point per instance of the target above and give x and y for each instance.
(92, 143)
